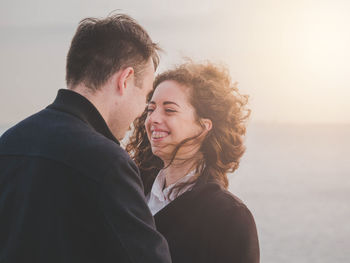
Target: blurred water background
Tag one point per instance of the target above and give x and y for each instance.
(296, 181)
(295, 178)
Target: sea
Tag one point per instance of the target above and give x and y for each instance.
(295, 179)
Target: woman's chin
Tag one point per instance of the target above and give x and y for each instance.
(159, 152)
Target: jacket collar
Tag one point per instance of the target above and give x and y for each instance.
(73, 103)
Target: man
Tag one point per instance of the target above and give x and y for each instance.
(68, 191)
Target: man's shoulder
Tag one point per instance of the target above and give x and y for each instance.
(62, 137)
(98, 147)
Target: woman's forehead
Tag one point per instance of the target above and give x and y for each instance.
(170, 90)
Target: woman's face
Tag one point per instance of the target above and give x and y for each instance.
(170, 120)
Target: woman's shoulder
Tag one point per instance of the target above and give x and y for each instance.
(223, 207)
(232, 229)
(221, 199)
(229, 225)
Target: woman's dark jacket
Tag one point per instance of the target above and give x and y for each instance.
(209, 224)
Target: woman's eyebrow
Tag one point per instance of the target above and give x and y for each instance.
(170, 102)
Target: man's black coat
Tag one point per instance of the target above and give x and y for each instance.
(70, 193)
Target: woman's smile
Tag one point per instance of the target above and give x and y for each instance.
(158, 135)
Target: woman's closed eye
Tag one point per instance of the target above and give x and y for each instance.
(150, 110)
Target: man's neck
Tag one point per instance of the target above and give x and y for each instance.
(95, 97)
(100, 99)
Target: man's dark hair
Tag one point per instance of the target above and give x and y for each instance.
(101, 47)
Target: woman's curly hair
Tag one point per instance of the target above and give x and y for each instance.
(214, 97)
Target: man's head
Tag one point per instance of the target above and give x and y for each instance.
(107, 60)
(101, 47)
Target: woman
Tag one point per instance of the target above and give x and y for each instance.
(189, 137)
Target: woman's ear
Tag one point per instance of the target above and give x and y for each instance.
(207, 124)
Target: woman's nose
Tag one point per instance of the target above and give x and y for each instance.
(155, 117)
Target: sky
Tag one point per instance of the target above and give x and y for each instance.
(290, 57)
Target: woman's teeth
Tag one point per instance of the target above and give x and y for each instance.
(158, 135)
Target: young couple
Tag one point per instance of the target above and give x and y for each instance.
(70, 193)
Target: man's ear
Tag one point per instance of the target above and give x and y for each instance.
(207, 124)
(124, 78)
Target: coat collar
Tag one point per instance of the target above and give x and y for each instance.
(73, 103)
